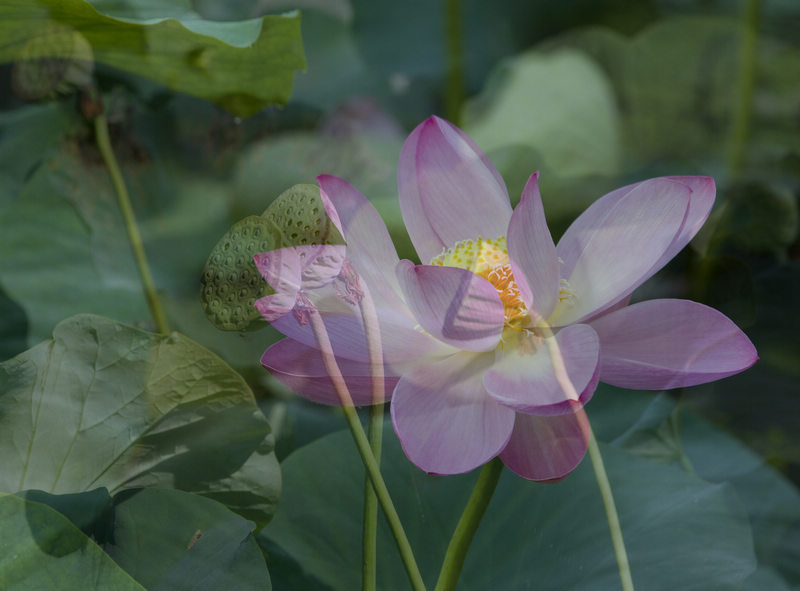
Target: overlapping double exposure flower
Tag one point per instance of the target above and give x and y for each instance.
(465, 333)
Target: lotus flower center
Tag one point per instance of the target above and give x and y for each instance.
(488, 257)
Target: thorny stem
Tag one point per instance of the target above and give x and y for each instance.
(375, 436)
(603, 483)
(360, 438)
(468, 525)
(104, 144)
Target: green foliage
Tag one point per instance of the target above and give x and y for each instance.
(13, 327)
(757, 217)
(63, 231)
(118, 407)
(240, 66)
(553, 535)
(678, 100)
(172, 540)
(655, 435)
(41, 549)
(29, 136)
(90, 511)
(65, 223)
(594, 108)
(164, 539)
(667, 450)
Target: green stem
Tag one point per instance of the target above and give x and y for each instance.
(611, 509)
(104, 143)
(364, 450)
(375, 437)
(676, 436)
(454, 92)
(747, 76)
(603, 483)
(369, 564)
(468, 525)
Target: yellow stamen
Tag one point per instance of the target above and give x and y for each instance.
(488, 257)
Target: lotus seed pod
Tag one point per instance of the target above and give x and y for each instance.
(299, 216)
(231, 284)
(56, 59)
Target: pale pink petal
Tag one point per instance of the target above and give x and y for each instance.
(401, 340)
(307, 266)
(454, 305)
(345, 332)
(449, 190)
(661, 344)
(294, 272)
(532, 252)
(369, 246)
(446, 422)
(619, 304)
(702, 196)
(523, 375)
(544, 448)
(277, 305)
(622, 247)
(573, 242)
(701, 200)
(301, 369)
(320, 263)
(282, 270)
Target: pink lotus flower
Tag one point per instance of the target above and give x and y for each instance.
(464, 333)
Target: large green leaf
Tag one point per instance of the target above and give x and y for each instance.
(63, 234)
(89, 511)
(241, 66)
(667, 432)
(41, 549)
(13, 327)
(772, 501)
(560, 104)
(174, 541)
(681, 532)
(28, 136)
(105, 404)
(165, 539)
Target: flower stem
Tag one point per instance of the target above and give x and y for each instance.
(375, 437)
(362, 444)
(104, 144)
(611, 510)
(468, 525)
(454, 92)
(369, 536)
(747, 75)
(603, 483)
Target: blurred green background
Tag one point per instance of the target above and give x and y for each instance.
(595, 94)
